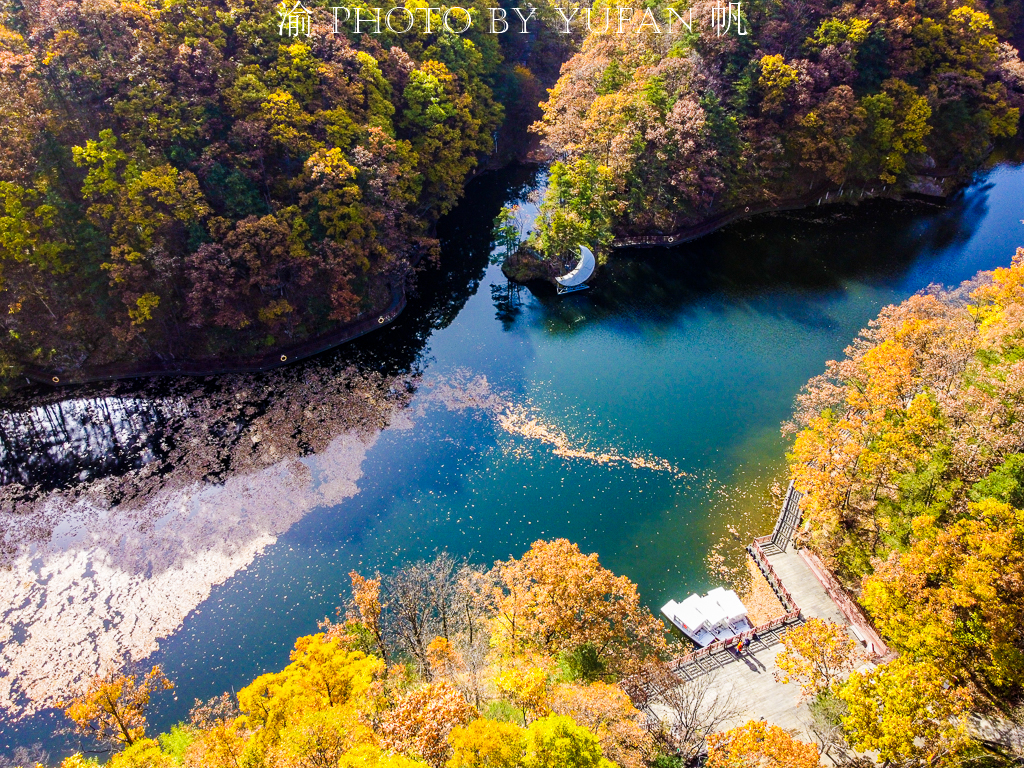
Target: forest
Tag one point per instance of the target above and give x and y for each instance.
(909, 450)
(178, 180)
(658, 131)
(544, 661)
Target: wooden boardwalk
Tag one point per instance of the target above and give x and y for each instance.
(748, 679)
(788, 520)
(812, 598)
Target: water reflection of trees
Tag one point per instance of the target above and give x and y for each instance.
(193, 429)
(103, 566)
(123, 504)
(815, 252)
(466, 236)
(62, 438)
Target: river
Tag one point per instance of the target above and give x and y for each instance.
(203, 525)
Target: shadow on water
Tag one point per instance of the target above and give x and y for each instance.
(230, 441)
(812, 255)
(52, 439)
(442, 291)
(55, 438)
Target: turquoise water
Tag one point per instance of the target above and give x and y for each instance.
(667, 382)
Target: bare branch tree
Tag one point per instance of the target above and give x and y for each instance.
(443, 592)
(826, 727)
(682, 714)
(443, 597)
(411, 619)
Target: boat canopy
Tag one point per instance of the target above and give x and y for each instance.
(691, 614)
(713, 612)
(671, 609)
(583, 270)
(730, 604)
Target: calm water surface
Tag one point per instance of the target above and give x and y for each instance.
(645, 415)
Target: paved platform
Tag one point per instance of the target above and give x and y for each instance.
(802, 584)
(748, 680)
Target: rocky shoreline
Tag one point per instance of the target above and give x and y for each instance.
(524, 266)
(275, 358)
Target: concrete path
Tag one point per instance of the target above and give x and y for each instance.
(805, 588)
(749, 680)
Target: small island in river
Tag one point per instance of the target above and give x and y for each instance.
(191, 188)
(238, 197)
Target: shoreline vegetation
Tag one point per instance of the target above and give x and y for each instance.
(908, 451)
(908, 454)
(179, 183)
(529, 664)
(653, 136)
(207, 193)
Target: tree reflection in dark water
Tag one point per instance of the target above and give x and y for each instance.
(56, 438)
(814, 253)
(466, 236)
(178, 483)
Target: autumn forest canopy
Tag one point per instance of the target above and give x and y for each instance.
(658, 132)
(179, 181)
(529, 664)
(911, 452)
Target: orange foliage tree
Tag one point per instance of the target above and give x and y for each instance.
(607, 711)
(421, 720)
(112, 707)
(555, 599)
(760, 745)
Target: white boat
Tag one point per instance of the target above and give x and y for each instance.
(719, 615)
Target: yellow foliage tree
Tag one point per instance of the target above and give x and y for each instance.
(322, 674)
(112, 707)
(369, 756)
(906, 711)
(816, 654)
(957, 597)
(487, 744)
(760, 745)
(75, 761)
(319, 738)
(557, 741)
(144, 753)
(775, 81)
(218, 745)
(525, 686)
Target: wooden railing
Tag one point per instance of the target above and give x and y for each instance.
(785, 598)
(789, 518)
(862, 625)
(640, 692)
(638, 689)
(770, 575)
